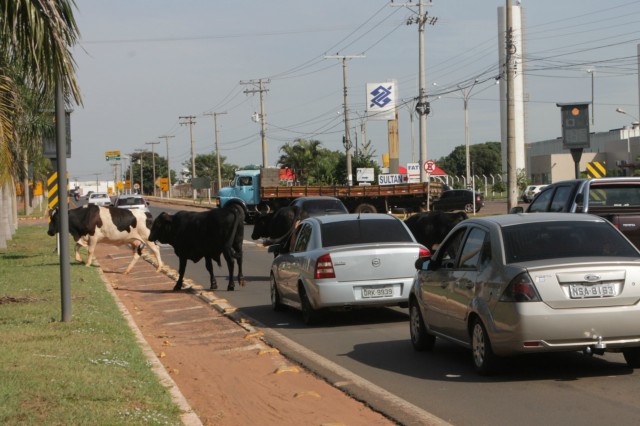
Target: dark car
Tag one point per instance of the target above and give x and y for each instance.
(459, 199)
(320, 205)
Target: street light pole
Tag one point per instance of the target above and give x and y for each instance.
(166, 138)
(153, 159)
(141, 151)
(466, 94)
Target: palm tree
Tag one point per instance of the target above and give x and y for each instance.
(300, 156)
(35, 37)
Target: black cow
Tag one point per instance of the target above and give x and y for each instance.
(430, 228)
(93, 224)
(207, 234)
(276, 227)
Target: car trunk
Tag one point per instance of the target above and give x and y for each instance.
(590, 285)
(367, 263)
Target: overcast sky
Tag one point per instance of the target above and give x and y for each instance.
(143, 64)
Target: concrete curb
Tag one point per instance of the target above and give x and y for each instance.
(188, 416)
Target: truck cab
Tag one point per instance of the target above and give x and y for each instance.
(244, 191)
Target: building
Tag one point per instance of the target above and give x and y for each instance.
(617, 149)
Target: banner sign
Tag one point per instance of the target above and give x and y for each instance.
(381, 100)
(364, 174)
(392, 179)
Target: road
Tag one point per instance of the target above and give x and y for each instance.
(374, 345)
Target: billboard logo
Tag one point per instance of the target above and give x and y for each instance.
(381, 96)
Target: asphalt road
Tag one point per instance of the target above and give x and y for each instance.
(373, 347)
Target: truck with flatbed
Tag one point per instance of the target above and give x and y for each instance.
(616, 199)
(258, 191)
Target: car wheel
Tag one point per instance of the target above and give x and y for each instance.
(420, 339)
(276, 302)
(310, 316)
(484, 359)
(632, 356)
(365, 208)
(468, 207)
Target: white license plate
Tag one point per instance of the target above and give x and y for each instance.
(578, 291)
(373, 292)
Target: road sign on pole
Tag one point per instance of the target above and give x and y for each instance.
(112, 155)
(430, 166)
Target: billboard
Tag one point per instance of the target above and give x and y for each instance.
(381, 100)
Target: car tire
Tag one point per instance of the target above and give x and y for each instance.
(632, 357)
(468, 208)
(420, 338)
(276, 301)
(484, 360)
(365, 208)
(310, 316)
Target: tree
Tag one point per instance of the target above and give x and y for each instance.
(485, 159)
(207, 165)
(300, 156)
(35, 37)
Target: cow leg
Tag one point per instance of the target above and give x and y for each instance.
(156, 252)
(181, 270)
(230, 265)
(77, 252)
(136, 256)
(239, 260)
(91, 246)
(212, 277)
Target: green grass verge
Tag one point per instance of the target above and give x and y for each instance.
(89, 370)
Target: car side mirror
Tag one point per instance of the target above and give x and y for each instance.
(422, 263)
(517, 209)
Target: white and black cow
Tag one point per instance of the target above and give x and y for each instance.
(430, 228)
(93, 224)
(207, 234)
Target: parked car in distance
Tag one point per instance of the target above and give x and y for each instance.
(345, 261)
(99, 199)
(530, 192)
(529, 283)
(459, 199)
(320, 205)
(132, 202)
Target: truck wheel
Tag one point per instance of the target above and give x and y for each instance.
(468, 208)
(365, 208)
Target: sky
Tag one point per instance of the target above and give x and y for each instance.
(141, 65)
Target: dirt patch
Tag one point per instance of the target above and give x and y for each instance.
(227, 373)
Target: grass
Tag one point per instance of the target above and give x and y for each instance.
(89, 370)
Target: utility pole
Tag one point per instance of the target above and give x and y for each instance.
(141, 151)
(166, 139)
(512, 178)
(263, 127)
(153, 159)
(189, 120)
(215, 132)
(422, 106)
(347, 136)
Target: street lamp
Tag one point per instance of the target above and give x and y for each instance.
(593, 107)
(466, 94)
(141, 151)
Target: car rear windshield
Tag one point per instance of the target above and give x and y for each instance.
(552, 240)
(614, 195)
(364, 232)
(130, 202)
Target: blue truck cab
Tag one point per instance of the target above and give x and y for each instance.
(244, 191)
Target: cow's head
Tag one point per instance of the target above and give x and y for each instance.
(161, 228)
(261, 226)
(54, 226)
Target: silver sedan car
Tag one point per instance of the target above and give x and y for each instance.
(528, 283)
(344, 261)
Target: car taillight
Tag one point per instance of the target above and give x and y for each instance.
(520, 289)
(424, 252)
(324, 267)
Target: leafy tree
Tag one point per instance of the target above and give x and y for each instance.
(301, 157)
(35, 37)
(485, 158)
(207, 165)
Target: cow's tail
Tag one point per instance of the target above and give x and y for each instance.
(239, 220)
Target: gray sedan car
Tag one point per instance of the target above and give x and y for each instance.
(529, 283)
(344, 261)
